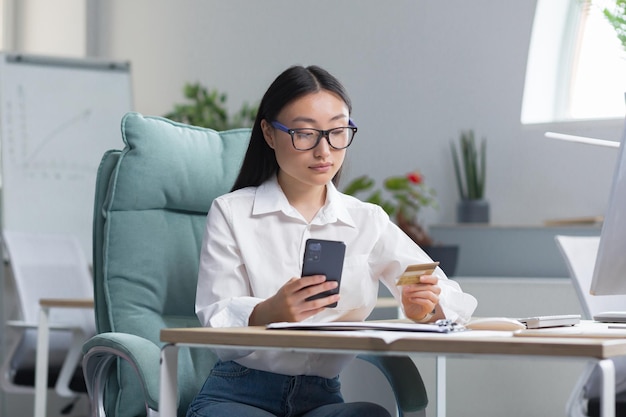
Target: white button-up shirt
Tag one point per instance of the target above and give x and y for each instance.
(254, 243)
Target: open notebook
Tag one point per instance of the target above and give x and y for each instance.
(440, 326)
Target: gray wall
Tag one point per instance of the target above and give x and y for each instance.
(418, 72)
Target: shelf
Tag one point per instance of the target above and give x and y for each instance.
(509, 250)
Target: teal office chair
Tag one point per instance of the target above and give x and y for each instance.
(150, 206)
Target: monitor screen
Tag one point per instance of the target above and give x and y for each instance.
(609, 275)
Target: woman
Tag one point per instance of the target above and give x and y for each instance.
(253, 249)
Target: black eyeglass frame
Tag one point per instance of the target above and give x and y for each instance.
(322, 134)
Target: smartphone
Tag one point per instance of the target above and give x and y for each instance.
(324, 257)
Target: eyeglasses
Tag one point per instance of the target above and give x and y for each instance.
(308, 138)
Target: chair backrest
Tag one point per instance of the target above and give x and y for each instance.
(150, 209)
(46, 265)
(580, 254)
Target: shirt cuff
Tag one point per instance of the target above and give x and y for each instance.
(456, 305)
(235, 312)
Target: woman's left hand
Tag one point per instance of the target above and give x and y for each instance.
(419, 300)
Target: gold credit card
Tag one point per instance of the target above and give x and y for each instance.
(413, 273)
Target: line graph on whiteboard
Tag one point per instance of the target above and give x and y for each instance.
(52, 148)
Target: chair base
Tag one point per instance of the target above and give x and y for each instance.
(26, 377)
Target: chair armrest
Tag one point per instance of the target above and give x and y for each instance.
(100, 353)
(18, 324)
(404, 378)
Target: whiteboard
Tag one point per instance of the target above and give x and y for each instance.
(57, 118)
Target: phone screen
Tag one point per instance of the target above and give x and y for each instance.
(324, 257)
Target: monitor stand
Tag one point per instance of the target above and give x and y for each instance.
(611, 317)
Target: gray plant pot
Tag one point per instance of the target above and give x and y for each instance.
(447, 255)
(472, 211)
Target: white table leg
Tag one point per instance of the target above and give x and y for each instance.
(41, 364)
(607, 397)
(168, 390)
(441, 386)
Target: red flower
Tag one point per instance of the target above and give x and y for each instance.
(415, 177)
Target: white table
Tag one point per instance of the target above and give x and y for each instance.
(43, 346)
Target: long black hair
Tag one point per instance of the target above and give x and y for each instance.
(260, 163)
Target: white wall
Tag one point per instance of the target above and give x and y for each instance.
(418, 72)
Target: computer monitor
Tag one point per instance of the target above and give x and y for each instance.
(609, 275)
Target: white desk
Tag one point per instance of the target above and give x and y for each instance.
(43, 342)
(441, 345)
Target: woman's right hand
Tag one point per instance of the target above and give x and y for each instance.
(290, 302)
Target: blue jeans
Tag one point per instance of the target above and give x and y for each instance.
(235, 390)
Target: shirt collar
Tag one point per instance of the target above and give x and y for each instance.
(270, 198)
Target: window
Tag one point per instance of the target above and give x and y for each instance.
(576, 64)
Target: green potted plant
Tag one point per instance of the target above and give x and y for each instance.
(403, 197)
(408, 195)
(470, 171)
(208, 109)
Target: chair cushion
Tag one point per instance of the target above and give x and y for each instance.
(181, 167)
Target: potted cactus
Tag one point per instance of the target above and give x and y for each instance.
(470, 171)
